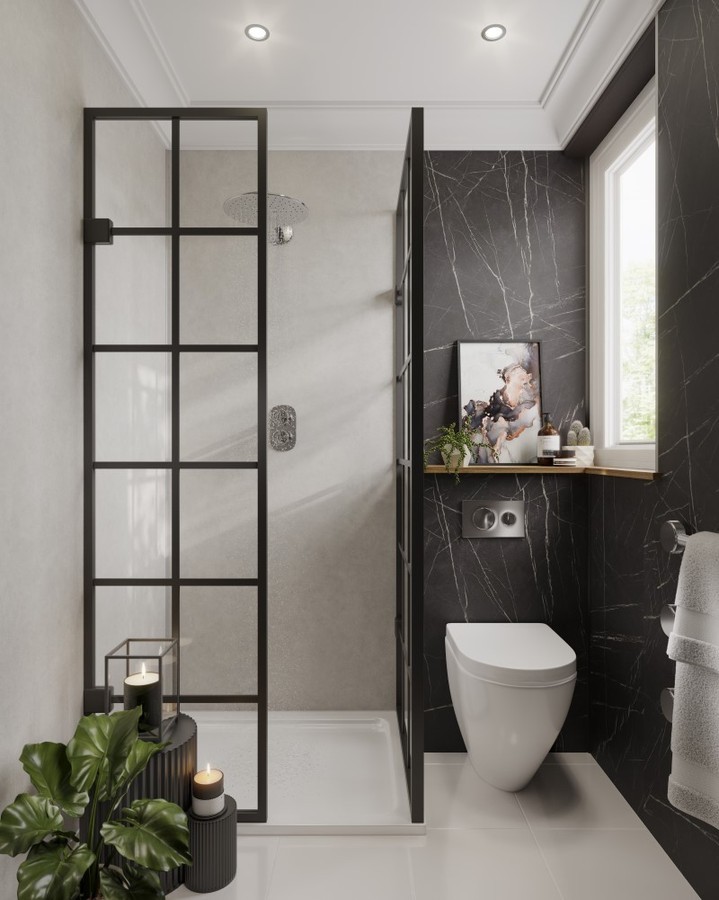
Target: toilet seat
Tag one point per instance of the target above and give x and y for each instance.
(527, 654)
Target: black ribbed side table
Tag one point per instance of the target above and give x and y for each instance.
(213, 845)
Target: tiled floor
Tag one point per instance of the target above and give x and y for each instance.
(568, 836)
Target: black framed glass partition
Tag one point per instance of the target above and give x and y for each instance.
(175, 470)
(409, 462)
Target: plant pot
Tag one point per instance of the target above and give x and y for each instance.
(454, 459)
(584, 455)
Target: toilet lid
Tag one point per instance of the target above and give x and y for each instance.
(526, 653)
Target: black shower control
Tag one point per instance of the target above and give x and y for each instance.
(484, 519)
(508, 518)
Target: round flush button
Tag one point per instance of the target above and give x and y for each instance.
(508, 518)
(484, 518)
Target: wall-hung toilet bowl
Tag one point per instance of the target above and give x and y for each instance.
(511, 686)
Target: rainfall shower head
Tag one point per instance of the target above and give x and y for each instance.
(282, 213)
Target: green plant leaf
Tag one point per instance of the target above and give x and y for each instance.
(49, 770)
(26, 821)
(53, 872)
(133, 884)
(99, 750)
(152, 833)
(137, 759)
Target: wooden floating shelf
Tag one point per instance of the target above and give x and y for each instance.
(607, 471)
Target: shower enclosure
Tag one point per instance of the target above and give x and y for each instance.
(176, 463)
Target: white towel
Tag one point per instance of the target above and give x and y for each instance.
(694, 644)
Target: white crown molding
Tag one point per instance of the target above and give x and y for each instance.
(574, 42)
(126, 36)
(138, 8)
(370, 104)
(603, 67)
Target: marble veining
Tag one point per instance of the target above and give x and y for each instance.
(504, 258)
(631, 577)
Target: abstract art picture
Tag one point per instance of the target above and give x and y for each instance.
(500, 399)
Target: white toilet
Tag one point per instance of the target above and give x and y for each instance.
(511, 686)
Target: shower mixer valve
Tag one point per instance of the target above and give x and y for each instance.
(283, 427)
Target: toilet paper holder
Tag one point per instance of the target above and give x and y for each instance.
(666, 701)
(673, 536)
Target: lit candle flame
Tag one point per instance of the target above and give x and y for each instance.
(144, 670)
(208, 770)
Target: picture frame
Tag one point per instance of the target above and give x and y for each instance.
(499, 389)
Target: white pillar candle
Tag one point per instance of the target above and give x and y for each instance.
(143, 689)
(208, 792)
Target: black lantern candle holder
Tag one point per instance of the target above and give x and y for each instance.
(148, 670)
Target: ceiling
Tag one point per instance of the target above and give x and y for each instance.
(342, 74)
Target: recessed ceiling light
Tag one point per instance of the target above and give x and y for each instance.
(257, 32)
(494, 32)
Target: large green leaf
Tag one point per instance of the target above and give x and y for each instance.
(133, 884)
(49, 770)
(152, 833)
(53, 872)
(99, 750)
(26, 821)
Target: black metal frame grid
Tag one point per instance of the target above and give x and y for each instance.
(409, 355)
(175, 231)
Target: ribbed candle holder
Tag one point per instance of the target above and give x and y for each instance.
(213, 845)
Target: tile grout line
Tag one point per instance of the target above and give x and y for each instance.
(271, 874)
(539, 849)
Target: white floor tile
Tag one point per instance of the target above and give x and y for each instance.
(485, 863)
(346, 870)
(567, 796)
(445, 759)
(255, 861)
(456, 797)
(627, 865)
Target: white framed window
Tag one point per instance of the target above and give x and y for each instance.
(622, 289)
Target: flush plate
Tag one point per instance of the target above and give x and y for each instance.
(493, 519)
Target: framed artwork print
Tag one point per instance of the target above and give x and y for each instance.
(500, 399)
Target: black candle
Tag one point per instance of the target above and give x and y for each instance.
(143, 689)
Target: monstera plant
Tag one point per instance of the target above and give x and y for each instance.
(125, 847)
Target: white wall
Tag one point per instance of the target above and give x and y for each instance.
(50, 67)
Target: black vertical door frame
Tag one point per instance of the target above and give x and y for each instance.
(176, 465)
(409, 408)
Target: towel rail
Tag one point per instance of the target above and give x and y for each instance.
(673, 536)
(666, 701)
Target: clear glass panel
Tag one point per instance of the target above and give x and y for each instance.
(232, 746)
(637, 325)
(218, 290)
(132, 291)
(218, 160)
(132, 406)
(132, 523)
(218, 523)
(218, 640)
(124, 612)
(132, 163)
(218, 398)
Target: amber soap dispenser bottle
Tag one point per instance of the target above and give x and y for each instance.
(547, 442)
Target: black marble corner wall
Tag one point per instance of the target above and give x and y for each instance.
(504, 258)
(631, 577)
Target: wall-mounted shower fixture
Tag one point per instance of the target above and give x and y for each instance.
(493, 519)
(282, 213)
(283, 427)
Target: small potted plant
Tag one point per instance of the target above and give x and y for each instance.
(125, 847)
(457, 447)
(579, 438)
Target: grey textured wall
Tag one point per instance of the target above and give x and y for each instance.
(50, 67)
(331, 498)
(504, 259)
(632, 578)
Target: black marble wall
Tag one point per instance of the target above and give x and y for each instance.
(504, 259)
(631, 577)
